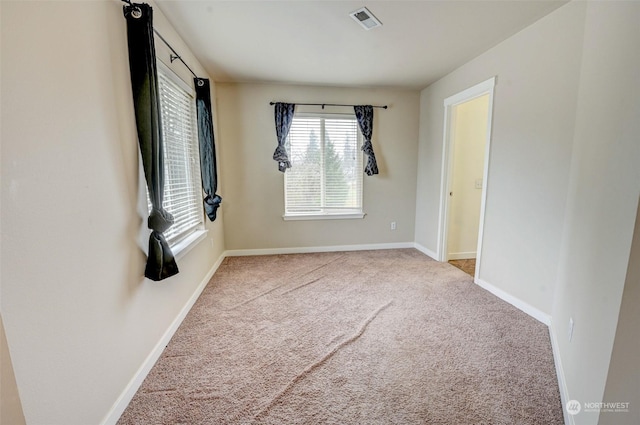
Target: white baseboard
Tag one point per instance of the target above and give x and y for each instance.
(308, 249)
(130, 390)
(426, 251)
(516, 302)
(462, 255)
(562, 383)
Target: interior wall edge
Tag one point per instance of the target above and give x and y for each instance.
(532, 311)
(562, 382)
(426, 251)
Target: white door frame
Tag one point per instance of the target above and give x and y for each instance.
(481, 89)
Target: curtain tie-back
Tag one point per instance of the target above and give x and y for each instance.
(280, 155)
(160, 220)
(211, 204)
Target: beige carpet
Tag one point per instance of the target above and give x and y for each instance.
(374, 337)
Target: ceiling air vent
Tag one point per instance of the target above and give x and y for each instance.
(365, 18)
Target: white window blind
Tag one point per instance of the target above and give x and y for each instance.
(325, 177)
(182, 183)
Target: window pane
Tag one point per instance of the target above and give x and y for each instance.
(340, 164)
(325, 175)
(183, 188)
(304, 178)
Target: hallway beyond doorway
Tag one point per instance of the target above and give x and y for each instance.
(468, 266)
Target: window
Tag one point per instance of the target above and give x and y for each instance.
(325, 178)
(182, 184)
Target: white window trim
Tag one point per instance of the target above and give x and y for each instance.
(170, 73)
(182, 247)
(327, 215)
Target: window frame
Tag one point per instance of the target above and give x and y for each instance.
(188, 239)
(325, 215)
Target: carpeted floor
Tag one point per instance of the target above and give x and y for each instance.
(371, 337)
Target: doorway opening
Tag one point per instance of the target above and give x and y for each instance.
(465, 166)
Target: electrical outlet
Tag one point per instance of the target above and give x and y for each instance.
(393, 225)
(479, 184)
(570, 328)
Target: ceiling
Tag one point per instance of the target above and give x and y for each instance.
(318, 43)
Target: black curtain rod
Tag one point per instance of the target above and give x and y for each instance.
(175, 54)
(331, 104)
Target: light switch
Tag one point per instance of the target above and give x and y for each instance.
(479, 184)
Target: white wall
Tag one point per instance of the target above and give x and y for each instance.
(80, 319)
(469, 124)
(533, 119)
(601, 205)
(255, 192)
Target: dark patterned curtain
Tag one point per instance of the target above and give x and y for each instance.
(208, 166)
(144, 83)
(284, 117)
(364, 115)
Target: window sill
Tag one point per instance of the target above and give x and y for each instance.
(337, 216)
(184, 246)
